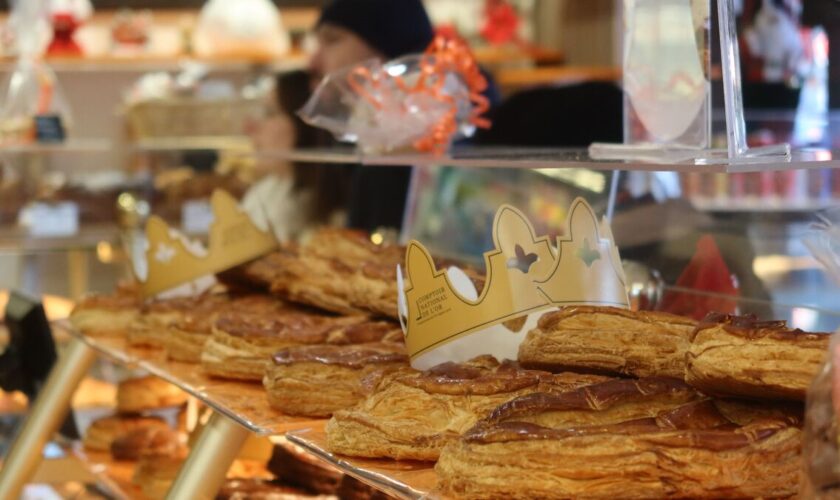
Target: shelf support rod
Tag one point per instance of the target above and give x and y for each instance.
(203, 473)
(46, 415)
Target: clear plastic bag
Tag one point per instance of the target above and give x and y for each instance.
(821, 439)
(419, 101)
(33, 89)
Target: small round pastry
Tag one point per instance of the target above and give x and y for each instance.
(148, 441)
(102, 432)
(300, 469)
(317, 380)
(137, 395)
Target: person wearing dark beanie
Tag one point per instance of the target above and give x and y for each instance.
(351, 31)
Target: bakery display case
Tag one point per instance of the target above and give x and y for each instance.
(635, 320)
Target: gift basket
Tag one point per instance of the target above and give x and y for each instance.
(188, 104)
(420, 102)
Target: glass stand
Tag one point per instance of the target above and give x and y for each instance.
(737, 151)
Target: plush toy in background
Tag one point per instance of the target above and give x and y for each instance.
(66, 17)
(775, 40)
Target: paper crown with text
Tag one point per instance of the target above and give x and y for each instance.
(233, 239)
(445, 319)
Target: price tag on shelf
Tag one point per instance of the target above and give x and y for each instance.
(196, 216)
(45, 220)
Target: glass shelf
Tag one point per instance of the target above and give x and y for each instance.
(549, 158)
(71, 145)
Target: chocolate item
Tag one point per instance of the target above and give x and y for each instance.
(700, 449)
(102, 432)
(317, 380)
(147, 393)
(741, 356)
(412, 415)
(295, 467)
(242, 344)
(148, 441)
(610, 341)
(107, 315)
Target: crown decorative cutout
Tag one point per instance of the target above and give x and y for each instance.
(446, 320)
(173, 260)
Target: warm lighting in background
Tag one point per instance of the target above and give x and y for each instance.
(377, 238)
(805, 319)
(581, 178)
(767, 266)
(105, 252)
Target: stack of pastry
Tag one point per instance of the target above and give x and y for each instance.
(648, 437)
(412, 415)
(136, 431)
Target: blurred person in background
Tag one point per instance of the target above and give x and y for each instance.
(348, 32)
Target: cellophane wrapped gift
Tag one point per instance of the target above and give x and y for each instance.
(32, 88)
(420, 101)
(821, 442)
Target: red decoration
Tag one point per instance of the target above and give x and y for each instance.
(501, 22)
(64, 27)
(706, 272)
(443, 56)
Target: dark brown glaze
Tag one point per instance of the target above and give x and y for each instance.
(146, 441)
(595, 397)
(749, 327)
(465, 379)
(114, 302)
(365, 332)
(348, 356)
(550, 320)
(200, 317)
(694, 425)
(177, 304)
(258, 489)
(302, 470)
(299, 323)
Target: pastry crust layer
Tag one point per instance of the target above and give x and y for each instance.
(413, 415)
(609, 340)
(740, 356)
(318, 380)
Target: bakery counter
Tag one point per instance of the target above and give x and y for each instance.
(243, 402)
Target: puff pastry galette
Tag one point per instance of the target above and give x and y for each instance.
(107, 315)
(411, 415)
(740, 356)
(541, 447)
(609, 340)
(242, 343)
(317, 380)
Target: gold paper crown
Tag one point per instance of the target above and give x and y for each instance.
(525, 274)
(172, 260)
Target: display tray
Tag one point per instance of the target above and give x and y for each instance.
(401, 478)
(243, 402)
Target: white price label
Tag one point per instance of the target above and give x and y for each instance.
(46, 220)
